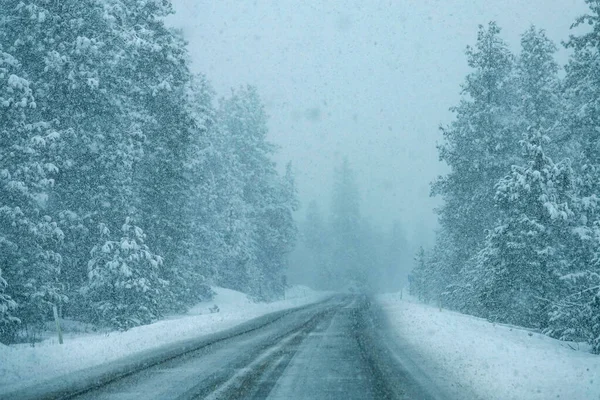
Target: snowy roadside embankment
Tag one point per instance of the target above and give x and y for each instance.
(24, 365)
(497, 362)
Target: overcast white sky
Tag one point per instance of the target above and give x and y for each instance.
(369, 80)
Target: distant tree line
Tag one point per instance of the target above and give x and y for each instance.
(345, 250)
(519, 241)
(125, 190)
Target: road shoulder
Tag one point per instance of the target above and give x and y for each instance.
(462, 352)
(42, 381)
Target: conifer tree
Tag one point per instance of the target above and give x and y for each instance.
(28, 236)
(277, 234)
(575, 314)
(479, 146)
(517, 271)
(262, 218)
(124, 287)
(159, 73)
(538, 88)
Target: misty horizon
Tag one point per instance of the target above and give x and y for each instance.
(370, 82)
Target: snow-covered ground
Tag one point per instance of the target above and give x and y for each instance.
(497, 362)
(24, 365)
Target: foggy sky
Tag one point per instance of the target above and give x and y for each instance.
(366, 80)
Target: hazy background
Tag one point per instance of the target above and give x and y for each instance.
(366, 80)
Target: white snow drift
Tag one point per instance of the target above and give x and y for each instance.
(497, 362)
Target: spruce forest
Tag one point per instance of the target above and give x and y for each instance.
(519, 236)
(126, 190)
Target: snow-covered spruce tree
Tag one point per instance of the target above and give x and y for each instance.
(277, 234)
(446, 286)
(538, 89)
(158, 67)
(262, 231)
(582, 88)
(124, 287)
(231, 227)
(429, 277)
(479, 146)
(28, 237)
(222, 230)
(576, 314)
(541, 105)
(243, 133)
(205, 248)
(517, 272)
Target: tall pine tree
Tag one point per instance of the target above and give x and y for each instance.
(479, 146)
(28, 236)
(517, 272)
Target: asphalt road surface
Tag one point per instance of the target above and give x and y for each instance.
(337, 349)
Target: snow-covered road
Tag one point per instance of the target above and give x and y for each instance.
(25, 365)
(336, 349)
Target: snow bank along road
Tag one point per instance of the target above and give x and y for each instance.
(335, 349)
(497, 362)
